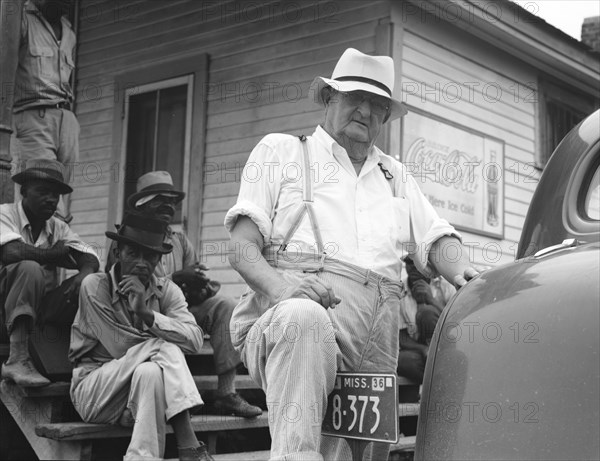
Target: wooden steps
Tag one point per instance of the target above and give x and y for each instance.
(404, 444)
(61, 438)
(61, 388)
(245, 456)
(71, 431)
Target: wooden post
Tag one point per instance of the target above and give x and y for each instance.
(358, 448)
(10, 31)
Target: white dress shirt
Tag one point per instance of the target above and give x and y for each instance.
(15, 226)
(361, 221)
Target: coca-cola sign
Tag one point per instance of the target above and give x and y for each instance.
(459, 170)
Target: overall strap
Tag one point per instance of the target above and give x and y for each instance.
(391, 179)
(306, 207)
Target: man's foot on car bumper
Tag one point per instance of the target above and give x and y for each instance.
(234, 404)
(23, 373)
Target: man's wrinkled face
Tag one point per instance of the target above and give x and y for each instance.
(161, 207)
(137, 261)
(357, 115)
(40, 198)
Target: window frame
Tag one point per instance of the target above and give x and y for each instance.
(157, 73)
(148, 88)
(550, 91)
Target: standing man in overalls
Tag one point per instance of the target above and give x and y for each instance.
(45, 127)
(319, 236)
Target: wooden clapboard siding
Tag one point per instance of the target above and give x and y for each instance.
(445, 73)
(245, 56)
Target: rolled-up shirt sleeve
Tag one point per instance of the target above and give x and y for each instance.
(175, 323)
(426, 227)
(63, 232)
(9, 230)
(259, 189)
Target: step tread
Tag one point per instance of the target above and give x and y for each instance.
(203, 383)
(200, 423)
(408, 409)
(206, 349)
(404, 444)
(242, 456)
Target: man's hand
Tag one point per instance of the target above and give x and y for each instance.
(312, 288)
(73, 289)
(457, 270)
(461, 280)
(60, 255)
(132, 287)
(194, 284)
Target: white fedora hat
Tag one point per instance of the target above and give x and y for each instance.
(358, 71)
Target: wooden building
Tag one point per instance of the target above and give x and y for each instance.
(191, 86)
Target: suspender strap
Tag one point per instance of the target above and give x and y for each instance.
(298, 217)
(315, 227)
(307, 193)
(306, 207)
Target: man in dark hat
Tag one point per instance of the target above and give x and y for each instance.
(33, 245)
(156, 196)
(128, 343)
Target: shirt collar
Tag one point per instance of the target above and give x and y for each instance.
(25, 224)
(333, 148)
(154, 287)
(31, 8)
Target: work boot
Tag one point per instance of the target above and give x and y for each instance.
(195, 454)
(23, 373)
(234, 404)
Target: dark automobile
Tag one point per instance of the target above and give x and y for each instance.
(514, 367)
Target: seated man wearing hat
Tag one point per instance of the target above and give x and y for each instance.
(327, 229)
(127, 343)
(156, 196)
(33, 245)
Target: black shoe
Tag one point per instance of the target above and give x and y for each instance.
(195, 454)
(234, 404)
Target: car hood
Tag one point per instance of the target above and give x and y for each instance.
(513, 369)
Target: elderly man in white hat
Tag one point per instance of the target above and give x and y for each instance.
(157, 197)
(324, 291)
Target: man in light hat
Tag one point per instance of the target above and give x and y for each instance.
(325, 289)
(33, 245)
(128, 342)
(157, 197)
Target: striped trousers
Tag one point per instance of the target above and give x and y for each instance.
(295, 349)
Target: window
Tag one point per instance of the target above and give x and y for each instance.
(159, 124)
(592, 198)
(158, 133)
(560, 110)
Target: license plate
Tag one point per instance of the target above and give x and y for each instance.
(363, 406)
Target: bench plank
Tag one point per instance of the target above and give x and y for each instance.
(408, 409)
(200, 423)
(203, 383)
(243, 456)
(404, 444)
(29, 413)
